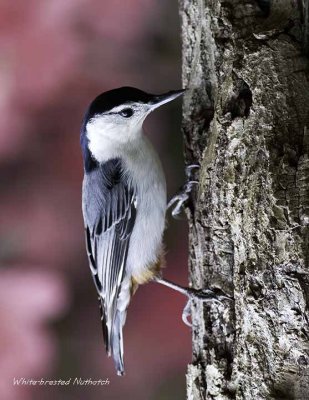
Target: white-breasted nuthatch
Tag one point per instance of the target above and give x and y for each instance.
(124, 205)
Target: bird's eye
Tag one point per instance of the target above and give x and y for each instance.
(126, 112)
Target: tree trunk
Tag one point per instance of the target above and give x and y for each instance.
(246, 121)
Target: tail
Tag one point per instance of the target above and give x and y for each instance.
(112, 325)
(117, 341)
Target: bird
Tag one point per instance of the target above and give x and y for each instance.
(124, 205)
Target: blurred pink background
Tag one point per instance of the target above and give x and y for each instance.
(55, 57)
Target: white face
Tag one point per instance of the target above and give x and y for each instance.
(112, 131)
(121, 124)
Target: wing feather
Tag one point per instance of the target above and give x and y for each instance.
(109, 208)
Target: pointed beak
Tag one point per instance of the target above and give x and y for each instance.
(158, 100)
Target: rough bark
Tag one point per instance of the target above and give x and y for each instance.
(246, 121)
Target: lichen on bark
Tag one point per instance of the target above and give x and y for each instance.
(246, 121)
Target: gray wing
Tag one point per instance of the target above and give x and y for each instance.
(109, 208)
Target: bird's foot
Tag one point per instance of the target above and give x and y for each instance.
(183, 195)
(204, 295)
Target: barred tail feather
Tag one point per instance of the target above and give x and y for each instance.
(113, 319)
(113, 338)
(117, 341)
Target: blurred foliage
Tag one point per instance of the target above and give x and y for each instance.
(55, 57)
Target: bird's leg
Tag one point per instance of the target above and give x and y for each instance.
(182, 197)
(205, 295)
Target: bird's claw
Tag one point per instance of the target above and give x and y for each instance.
(182, 197)
(189, 169)
(187, 313)
(204, 295)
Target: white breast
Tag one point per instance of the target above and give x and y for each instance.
(146, 239)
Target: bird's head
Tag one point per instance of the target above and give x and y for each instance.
(119, 114)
